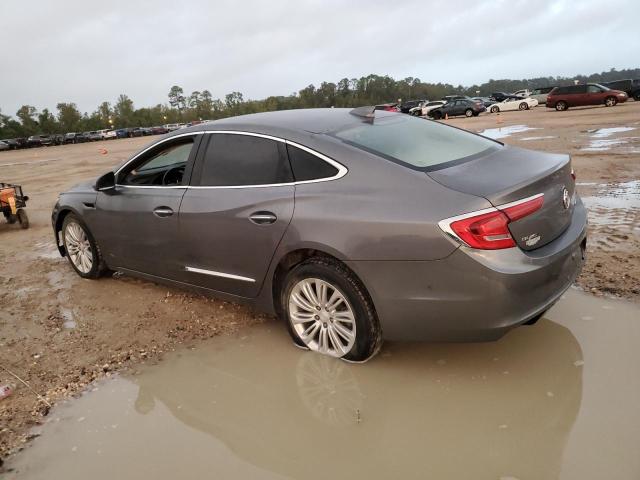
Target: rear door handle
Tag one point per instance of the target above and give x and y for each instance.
(162, 212)
(263, 218)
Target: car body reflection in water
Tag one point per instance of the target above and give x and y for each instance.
(442, 410)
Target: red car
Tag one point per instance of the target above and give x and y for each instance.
(561, 98)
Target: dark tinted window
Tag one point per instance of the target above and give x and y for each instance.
(307, 166)
(244, 160)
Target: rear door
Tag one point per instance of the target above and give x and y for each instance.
(578, 96)
(235, 212)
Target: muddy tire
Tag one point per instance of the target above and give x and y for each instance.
(610, 101)
(328, 310)
(11, 219)
(561, 106)
(23, 218)
(81, 248)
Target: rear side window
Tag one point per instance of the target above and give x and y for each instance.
(241, 160)
(417, 143)
(307, 166)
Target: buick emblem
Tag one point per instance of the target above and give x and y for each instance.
(566, 200)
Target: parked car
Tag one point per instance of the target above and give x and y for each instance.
(4, 145)
(522, 93)
(136, 132)
(630, 87)
(94, 136)
(426, 108)
(500, 96)
(146, 131)
(75, 137)
(468, 108)
(513, 104)
(107, 134)
(39, 141)
(561, 98)
(389, 107)
(486, 101)
(159, 130)
(342, 272)
(540, 94)
(123, 133)
(409, 104)
(12, 143)
(172, 126)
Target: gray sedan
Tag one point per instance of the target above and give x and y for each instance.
(353, 226)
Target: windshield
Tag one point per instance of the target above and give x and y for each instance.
(417, 143)
(602, 86)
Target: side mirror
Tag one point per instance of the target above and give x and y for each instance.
(106, 183)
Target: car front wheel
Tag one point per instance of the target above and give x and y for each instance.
(523, 106)
(81, 249)
(610, 101)
(329, 311)
(561, 106)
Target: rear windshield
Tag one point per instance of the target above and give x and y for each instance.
(417, 143)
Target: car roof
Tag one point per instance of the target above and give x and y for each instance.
(288, 123)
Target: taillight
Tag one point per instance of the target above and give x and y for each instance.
(489, 229)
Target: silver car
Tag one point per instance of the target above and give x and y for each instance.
(353, 226)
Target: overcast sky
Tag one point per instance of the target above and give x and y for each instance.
(89, 51)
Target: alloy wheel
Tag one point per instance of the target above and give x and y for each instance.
(78, 247)
(322, 317)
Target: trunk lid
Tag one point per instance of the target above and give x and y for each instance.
(512, 174)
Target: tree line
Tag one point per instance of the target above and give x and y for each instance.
(200, 105)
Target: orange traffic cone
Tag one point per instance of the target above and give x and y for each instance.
(498, 118)
(446, 116)
(102, 151)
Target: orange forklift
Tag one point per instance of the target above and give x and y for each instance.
(13, 203)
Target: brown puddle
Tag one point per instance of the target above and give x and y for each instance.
(560, 399)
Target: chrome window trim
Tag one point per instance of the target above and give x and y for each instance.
(342, 170)
(445, 225)
(219, 274)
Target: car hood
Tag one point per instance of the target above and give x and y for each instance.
(83, 187)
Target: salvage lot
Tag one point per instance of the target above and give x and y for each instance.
(59, 332)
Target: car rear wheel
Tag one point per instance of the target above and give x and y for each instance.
(436, 115)
(328, 310)
(81, 248)
(561, 106)
(610, 101)
(523, 106)
(468, 112)
(495, 109)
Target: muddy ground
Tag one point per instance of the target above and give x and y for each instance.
(59, 332)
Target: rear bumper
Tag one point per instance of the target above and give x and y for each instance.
(473, 295)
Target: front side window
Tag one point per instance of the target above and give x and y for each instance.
(416, 143)
(594, 89)
(162, 166)
(243, 160)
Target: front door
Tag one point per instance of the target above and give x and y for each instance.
(138, 222)
(235, 212)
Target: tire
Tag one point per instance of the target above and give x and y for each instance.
(23, 218)
(523, 106)
(636, 95)
(610, 101)
(495, 109)
(91, 265)
(468, 113)
(10, 218)
(561, 106)
(437, 115)
(354, 336)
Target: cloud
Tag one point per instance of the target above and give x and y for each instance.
(90, 52)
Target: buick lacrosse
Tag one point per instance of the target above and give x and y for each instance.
(353, 226)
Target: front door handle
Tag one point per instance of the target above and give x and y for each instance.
(163, 212)
(263, 218)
